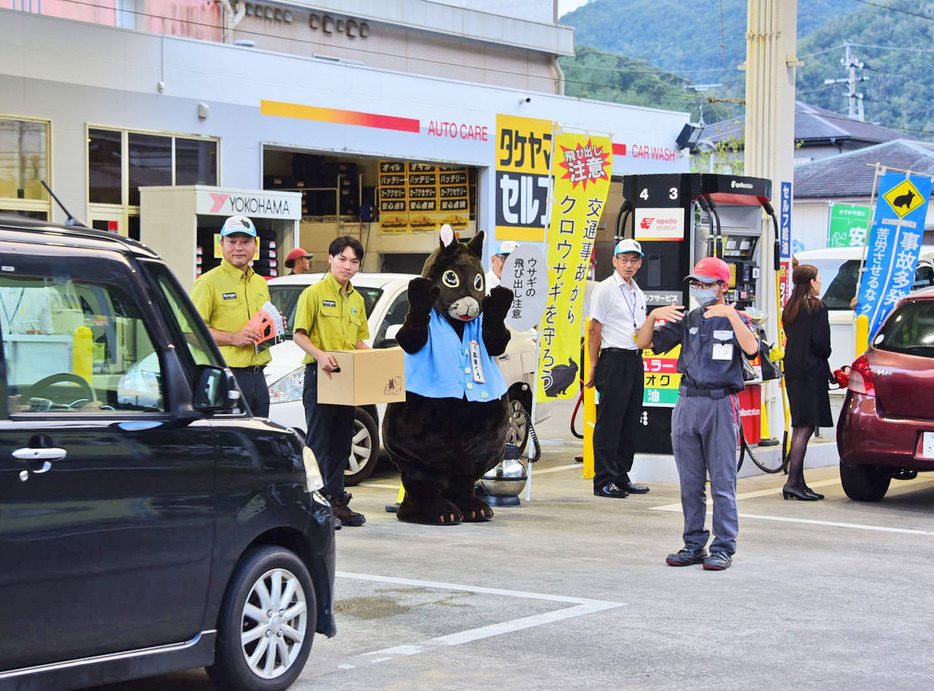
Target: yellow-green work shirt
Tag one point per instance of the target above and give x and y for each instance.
(227, 298)
(332, 320)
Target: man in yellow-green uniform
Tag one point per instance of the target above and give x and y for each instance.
(330, 316)
(227, 297)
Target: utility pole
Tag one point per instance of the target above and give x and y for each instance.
(771, 47)
(854, 99)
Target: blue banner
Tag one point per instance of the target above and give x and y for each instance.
(894, 245)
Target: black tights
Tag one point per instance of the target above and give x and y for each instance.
(799, 446)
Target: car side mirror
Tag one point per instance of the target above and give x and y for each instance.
(215, 390)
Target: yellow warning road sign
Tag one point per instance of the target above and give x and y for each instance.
(904, 198)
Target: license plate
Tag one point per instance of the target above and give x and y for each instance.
(927, 445)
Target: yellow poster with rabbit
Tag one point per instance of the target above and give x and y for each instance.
(581, 170)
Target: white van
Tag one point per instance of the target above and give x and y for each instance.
(839, 271)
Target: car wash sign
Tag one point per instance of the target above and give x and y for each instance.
(894, 245)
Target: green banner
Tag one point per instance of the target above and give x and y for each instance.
(848, 224)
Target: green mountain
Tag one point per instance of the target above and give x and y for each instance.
(668, 54)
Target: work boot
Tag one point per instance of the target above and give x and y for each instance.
(344, 513)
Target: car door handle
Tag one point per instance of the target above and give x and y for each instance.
(29, 454)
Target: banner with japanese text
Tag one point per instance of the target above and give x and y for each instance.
(583, 165)
(894, 245)
(523, 174)
(422, 196)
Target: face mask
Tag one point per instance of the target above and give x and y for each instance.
(704, 295)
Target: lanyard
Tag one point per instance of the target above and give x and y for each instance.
(631, 306)
(11, 316)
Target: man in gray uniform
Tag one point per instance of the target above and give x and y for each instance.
(705, 422)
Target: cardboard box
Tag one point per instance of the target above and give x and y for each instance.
(366, 377)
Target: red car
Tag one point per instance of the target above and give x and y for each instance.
(886, 427)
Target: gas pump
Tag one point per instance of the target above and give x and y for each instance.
(679, 219)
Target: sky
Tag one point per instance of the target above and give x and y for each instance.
(565, 6)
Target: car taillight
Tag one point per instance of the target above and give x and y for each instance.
(861, 377)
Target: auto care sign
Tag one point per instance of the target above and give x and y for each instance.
(583, 164)
(894, 245)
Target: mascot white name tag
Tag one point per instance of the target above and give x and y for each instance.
(476, 364)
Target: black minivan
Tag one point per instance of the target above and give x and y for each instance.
(147, 522)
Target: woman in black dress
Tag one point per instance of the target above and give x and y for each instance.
(807, 373)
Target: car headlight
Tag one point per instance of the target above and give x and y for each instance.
(289, 388)
(313, 479)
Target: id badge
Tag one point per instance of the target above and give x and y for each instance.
(476, 363)
(722, 351)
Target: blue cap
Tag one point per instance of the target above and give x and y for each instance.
(238, 224)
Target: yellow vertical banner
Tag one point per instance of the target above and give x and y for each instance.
(582, 168)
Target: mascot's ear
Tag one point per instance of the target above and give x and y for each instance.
(475, 246)
(447, 235)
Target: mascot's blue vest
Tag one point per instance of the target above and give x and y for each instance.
(443, 369)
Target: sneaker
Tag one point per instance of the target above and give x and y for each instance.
(344, 513)
(718, 561)
(687, 556)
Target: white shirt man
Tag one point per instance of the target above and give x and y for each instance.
(495, 275)
(617, 310)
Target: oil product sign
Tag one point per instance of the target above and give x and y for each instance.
(523, 172)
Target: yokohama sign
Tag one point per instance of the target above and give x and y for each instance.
(285, 205)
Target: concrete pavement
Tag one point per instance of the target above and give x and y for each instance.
(571, 591)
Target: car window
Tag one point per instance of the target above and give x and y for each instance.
(909, 329)
(285, 297)
(394, 315)
(76, 346)
(924, 277)
(183, 313)
(838, 280)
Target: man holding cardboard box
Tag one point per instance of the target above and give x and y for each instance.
(330, 316)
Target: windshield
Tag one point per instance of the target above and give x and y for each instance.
(909, 329)
(285, 297)
(839, 279)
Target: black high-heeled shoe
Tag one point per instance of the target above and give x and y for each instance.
(816, 495)
(800, 495)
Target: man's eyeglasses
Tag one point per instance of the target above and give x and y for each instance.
(698, 284)
(622, 258)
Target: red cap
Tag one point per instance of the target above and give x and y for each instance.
(710, 270)
(294, 255)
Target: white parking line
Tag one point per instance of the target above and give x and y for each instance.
(581, 607)
(806, 521)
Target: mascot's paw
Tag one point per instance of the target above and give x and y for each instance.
(422, 294)
(475, 510)
(436, 512)
(496, 304)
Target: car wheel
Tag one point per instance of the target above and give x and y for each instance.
(365, 450)
(518, 432)
(266, 624)
(864, 482)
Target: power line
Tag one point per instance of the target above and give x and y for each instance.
(894, 9)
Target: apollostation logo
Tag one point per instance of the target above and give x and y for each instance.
(584, 164)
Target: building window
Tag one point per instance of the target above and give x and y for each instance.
(150, 163)
(120, 162)
(105, 158)
(24, 164)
